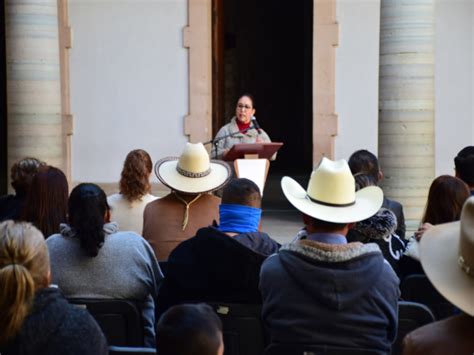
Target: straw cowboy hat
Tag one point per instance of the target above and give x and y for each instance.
(193, 172)
(331, 195)
(447, 257)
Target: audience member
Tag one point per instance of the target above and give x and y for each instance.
(191, 329)
(46, 204)
(464, 166)
(320, 289)
(21, 174)
(378, 229)
(446, 197)
(90, 258)
(189, 206)
(448, 259)
(35, 318)
(128, 205)
(221, 263)
(364, 162)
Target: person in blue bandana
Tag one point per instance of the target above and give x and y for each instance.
(221, 263)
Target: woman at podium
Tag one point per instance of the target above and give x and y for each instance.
(242, 128)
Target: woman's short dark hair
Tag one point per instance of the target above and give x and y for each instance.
(46, 204)
(87, 210)
(22, 173)
(135, 180)
(446, 197)
(250, 96)
(191, 329)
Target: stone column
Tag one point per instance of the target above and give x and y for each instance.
(33, 81)
(406, 102)
(325, 41)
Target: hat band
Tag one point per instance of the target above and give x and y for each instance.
(191, 174)
(465, 267)
(331, 204)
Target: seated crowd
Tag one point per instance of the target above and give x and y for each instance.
(336, 284)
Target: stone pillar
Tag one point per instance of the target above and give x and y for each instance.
(198, 38)
(33, 81)
(406, 102)
(325, 41)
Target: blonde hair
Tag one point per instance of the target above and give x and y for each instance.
(24, 267)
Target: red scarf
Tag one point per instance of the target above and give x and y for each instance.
(241, 125)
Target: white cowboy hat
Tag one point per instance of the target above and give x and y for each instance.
(331, 194)
(447, 257)
(193, 172)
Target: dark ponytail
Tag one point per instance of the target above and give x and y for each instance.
(87, 209)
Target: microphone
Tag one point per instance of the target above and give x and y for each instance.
(256, 125)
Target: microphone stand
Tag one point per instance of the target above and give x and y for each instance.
(215, 141)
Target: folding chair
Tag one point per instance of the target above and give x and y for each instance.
(411, 315)
(243, 330)
(418, 288)
(125, 350)
(307, 349)
(120, 320)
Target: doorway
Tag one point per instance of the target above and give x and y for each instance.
(265, 48)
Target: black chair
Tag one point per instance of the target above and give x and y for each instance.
(306, 349)
(242, 328)
(417, 288)
(411, 315)
(125, 350)
(120, 320)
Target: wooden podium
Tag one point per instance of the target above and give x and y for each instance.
(251, 161)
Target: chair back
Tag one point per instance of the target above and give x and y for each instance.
(126, 350)
(120, 320)
(307, 349)
(411, 315)
(418, 288)
(242, 328)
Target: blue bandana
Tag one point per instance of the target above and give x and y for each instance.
(238, 218)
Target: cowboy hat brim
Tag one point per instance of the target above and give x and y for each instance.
(165, 170)
(439, 252)
(368, 202)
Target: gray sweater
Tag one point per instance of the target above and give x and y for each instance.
(125, 268)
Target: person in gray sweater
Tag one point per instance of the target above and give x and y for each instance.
(90, 258)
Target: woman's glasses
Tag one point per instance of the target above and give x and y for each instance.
(241, 106)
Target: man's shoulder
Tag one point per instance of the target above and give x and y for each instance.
(391, 204)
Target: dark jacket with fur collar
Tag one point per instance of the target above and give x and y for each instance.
(380, 229)
(57, 327)
(325, 294)
(213, 267)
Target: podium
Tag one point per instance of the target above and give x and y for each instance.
(251, 160)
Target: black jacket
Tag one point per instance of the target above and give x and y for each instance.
(56, 327)
(380, 229)
(397, 209)
(213, 267)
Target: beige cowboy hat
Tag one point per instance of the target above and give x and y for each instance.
(447, 257)
(193, 172)
(331, 194)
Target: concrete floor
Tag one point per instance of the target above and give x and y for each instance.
(281, 225)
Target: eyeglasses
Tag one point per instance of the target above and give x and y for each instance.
(247, 107)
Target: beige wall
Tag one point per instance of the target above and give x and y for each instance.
(357, 76)
(454, 77)
(129, 82)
